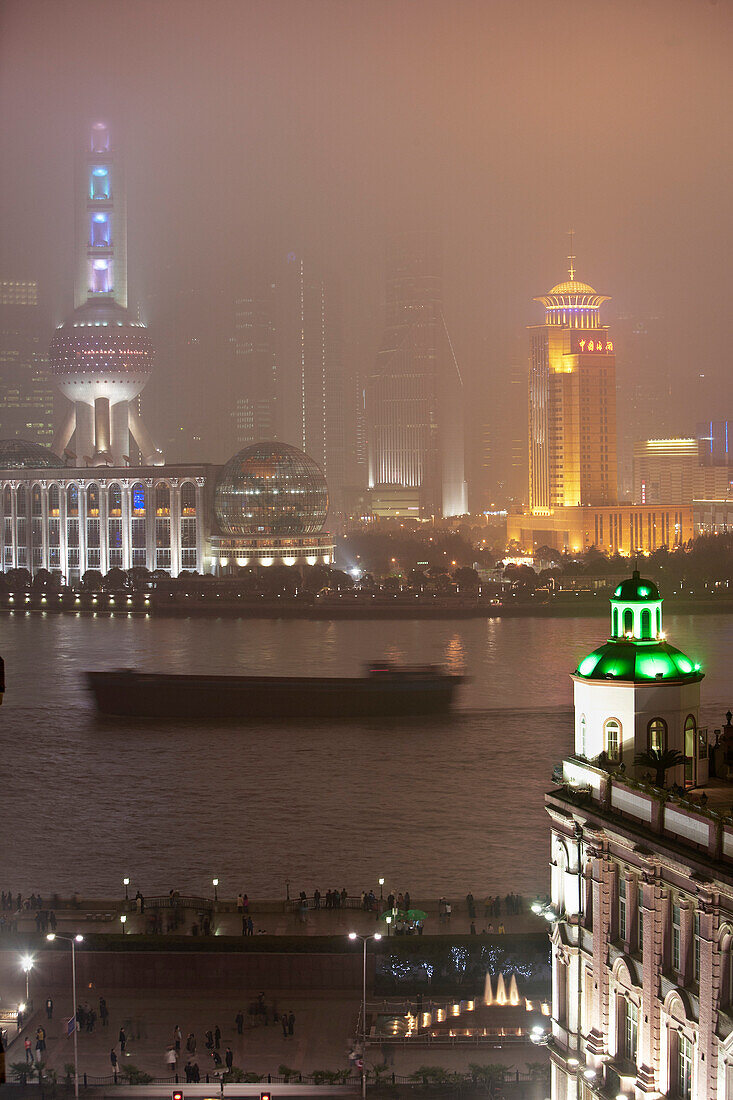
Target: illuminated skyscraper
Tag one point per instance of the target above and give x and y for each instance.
(309, 381)
(572, 402)
(415, 395)
(101, 356)
(26, 389)
(253, 403)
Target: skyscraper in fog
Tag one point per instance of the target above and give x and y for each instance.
(415, 394)
(572, 402)
(253, 402)
(309, 368)
(26, 390)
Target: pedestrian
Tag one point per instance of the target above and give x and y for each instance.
(250, 927)
(187, 1069)
(191, 1043)
(501, 929)
(41, 1039)
(28, 1050)
(239, 1021)
(316, 898)
(240, 903)
(170, 1058)
(407, 899)
(103, 1012)
(122, 1039)
(284, 1022)
(291, 1023)
(229, 1059)
(49, 1009)
(195, 1073)
(217, 1038)
(209, 1040)
(473, 928)
(113, 1060)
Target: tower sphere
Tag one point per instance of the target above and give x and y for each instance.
(271, 489)
(101, 351)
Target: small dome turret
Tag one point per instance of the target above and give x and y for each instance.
(636, 610)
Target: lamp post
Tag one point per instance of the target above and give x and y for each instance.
(388, 922)
(73, 940)
(215, 884)
(381, 889)
(365, 941)
(126, 883)
(123, 922)
(27, 963)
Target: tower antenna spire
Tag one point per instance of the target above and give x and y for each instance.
(571, 256)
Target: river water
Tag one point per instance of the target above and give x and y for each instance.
(435, 806)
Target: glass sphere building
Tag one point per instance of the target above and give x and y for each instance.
(270, 503)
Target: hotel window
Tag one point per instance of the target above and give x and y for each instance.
(115, 534)
(7, 501)
(676, 936)
(93, 500)
(631, 1030)
(54, 558)
(72, 500)
(115, 500)
(93, 533)
(22, 536)
(188, 533)
(657, 735)
(72, 533)
(36, 532)
(36, 500)
(138, 534)
(162, 532)
(612, 739)
(162, 500)
(683, 1075)
(54, 500)
(188, 499)
(21, 500)
(690, 739)
(622, 907)
(138, 500)
(54, 532)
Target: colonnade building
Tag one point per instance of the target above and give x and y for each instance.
(266, 506)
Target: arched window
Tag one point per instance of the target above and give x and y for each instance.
(7, 501)
(93, 500)
(188, 499)
(162, 500)
(612, 739)
(659, 620)
(646, 623)
(138, 500)
(657, 735)
(72, 500)
(36, 500)
(690, 739)
(628, 621)
(582, 739)
(54, 500)
(615, 622)
(115, 500)
(21, 500)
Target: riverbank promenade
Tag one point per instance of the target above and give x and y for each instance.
(182, 914)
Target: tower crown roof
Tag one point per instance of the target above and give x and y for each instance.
(636, 588)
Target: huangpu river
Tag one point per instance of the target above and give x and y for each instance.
(437, 805)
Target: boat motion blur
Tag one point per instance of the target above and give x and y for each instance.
(384, 690)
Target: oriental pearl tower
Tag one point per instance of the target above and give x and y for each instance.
(101, 356)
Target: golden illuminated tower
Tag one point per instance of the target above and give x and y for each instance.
(572, 402)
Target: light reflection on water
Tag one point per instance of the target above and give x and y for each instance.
(436, 805)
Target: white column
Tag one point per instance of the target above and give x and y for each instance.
(82, 528)
(103, 526)
(175, 519)
(63, 541)
(44, 524)
(127, 524)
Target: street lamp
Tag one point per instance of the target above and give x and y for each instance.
(123, 922)
(126, 883)
(388, 922)
(381, 889)
(215, 884)
(73, 940)
(365, 941)
(27, 963)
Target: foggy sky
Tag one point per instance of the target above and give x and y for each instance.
(251, 129)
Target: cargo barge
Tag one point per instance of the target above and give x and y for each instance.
(385, 690)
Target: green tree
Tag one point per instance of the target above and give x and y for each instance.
(92, 581)
(659, 761)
